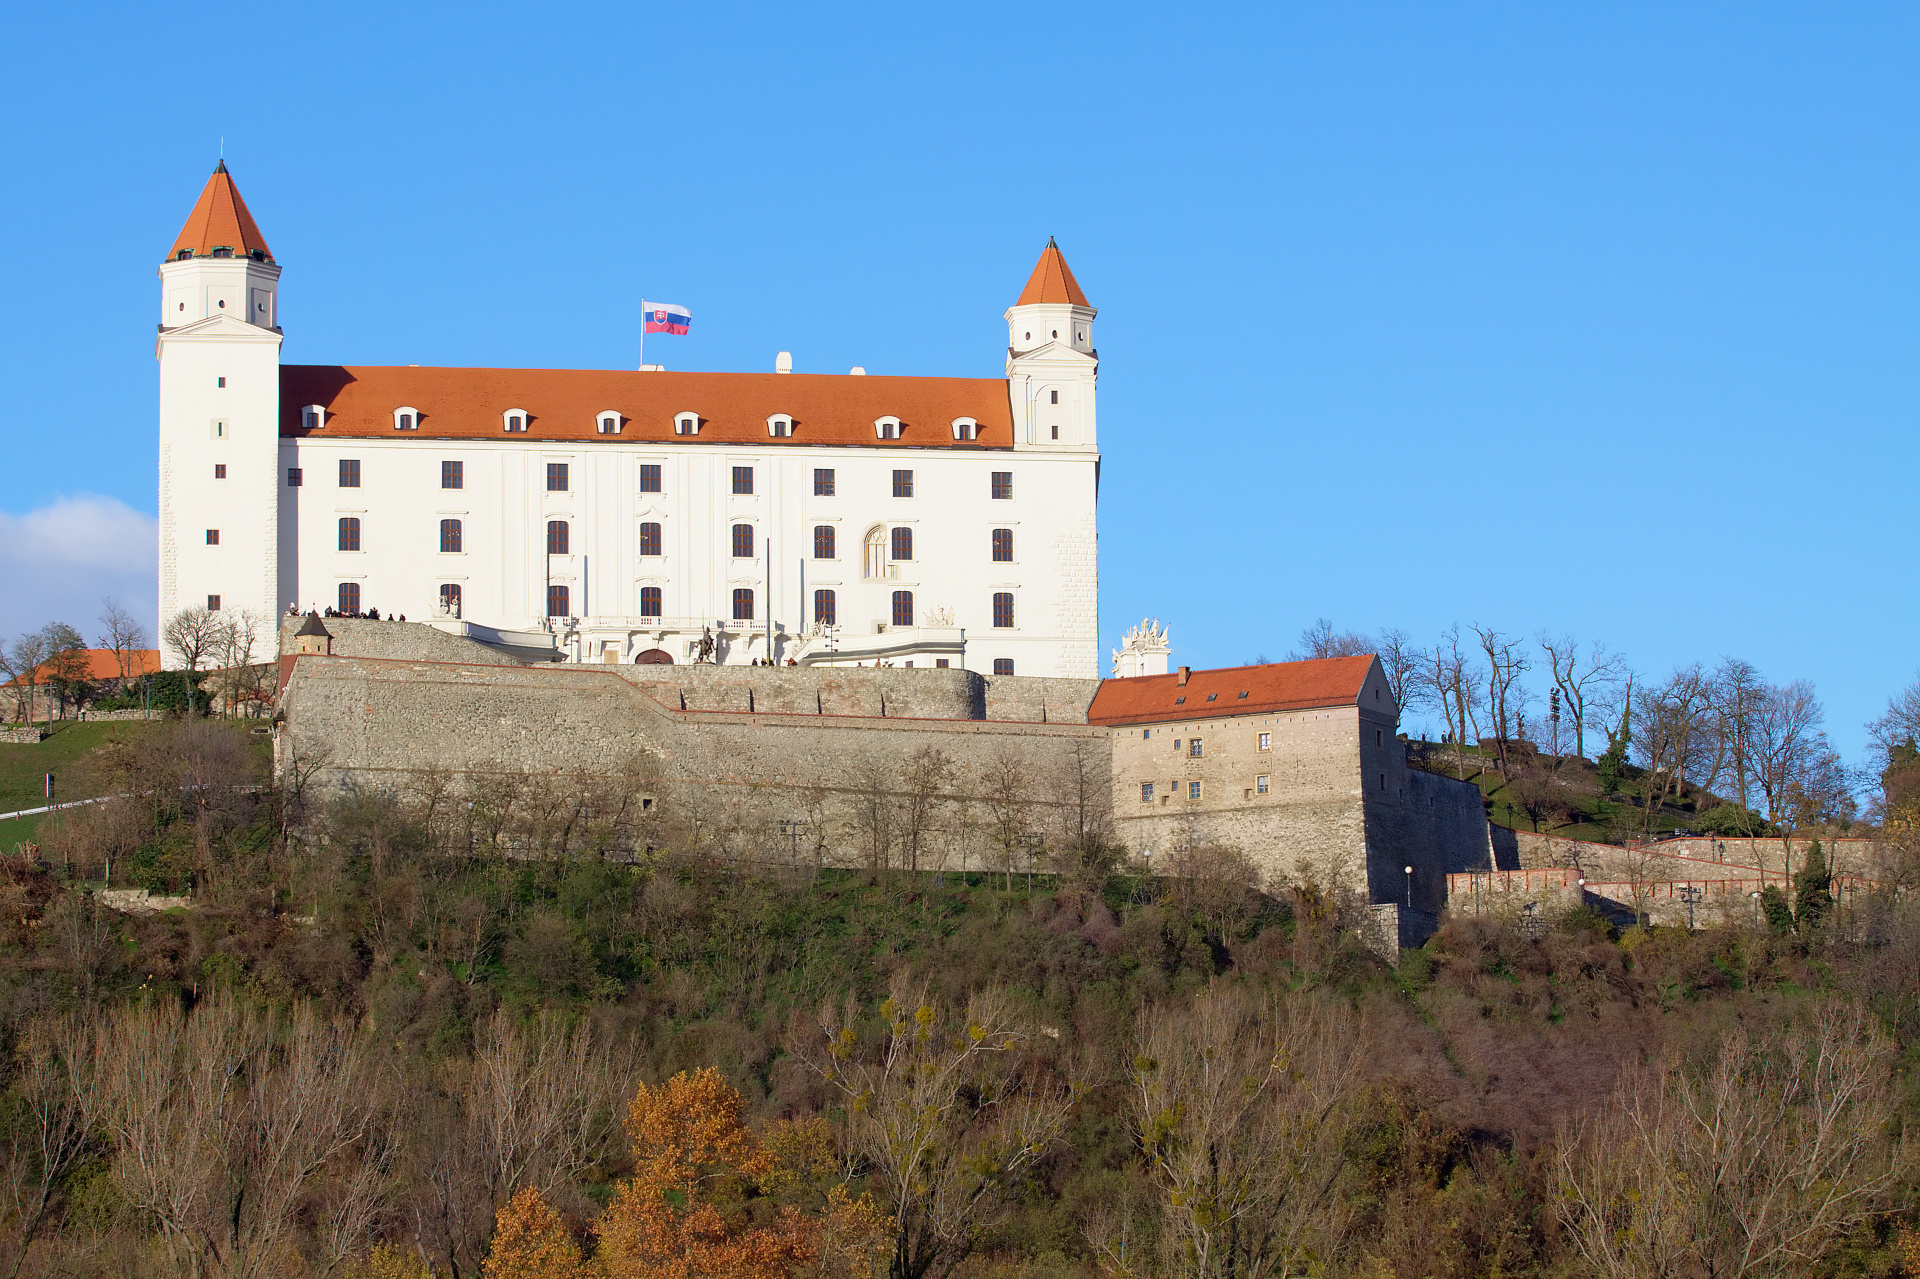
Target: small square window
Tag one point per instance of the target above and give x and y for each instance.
(213, 603)
(293, 477)
(1180, 701)
(649, 477)
(349, 473)
(1243, 696)
(219, 470)
(213, 537)
(941, 663)
(1263, 784)
(1003, 666)
(823, 482)
(1212, 696)
(1002, 486)
(220, 381)
(1193, 749)
(557, 483)
(453, 475)
(1266, 741)
(1193, 790)
(903, 483)
(743, 479)
(1176, 745)
(1146, 792)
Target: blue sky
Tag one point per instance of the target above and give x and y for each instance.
(1596, 319)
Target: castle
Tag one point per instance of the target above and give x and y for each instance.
(632, 515)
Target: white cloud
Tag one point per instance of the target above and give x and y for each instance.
(57, 562)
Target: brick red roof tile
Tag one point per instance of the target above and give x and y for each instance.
(1051, 281)
(1277, 686)
(562, 403)
(220, 221)
(101, 664)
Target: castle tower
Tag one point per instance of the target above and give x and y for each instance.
(1051, 363)
(1144, 651)
(219, 354)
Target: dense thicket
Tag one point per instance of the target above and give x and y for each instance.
(367, 1047)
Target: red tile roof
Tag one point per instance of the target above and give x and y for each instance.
(101, 664)
(1051, 281)
(1278, 686)
(562, 404)
(220, 221)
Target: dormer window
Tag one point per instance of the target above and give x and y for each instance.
(515, 420)
(607, 423)
(686, 424)
(313, 417)
(886, 428)
(965, 428)
(780, 426)
(223, 251)
(406, 418)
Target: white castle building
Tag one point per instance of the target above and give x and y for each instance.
(632, 515)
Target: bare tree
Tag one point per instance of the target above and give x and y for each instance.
(1792, 762)
(66, 668)
(1505, 664)
(124, 635)
(923, 793)
(196, 634)
(1243, 1104)
(53, 1094)
(945, 1106)
(21, 663)
(1582, 679)
(1321, 641)
(1900, 724)
(1735, 695)
(1403, 663)
(1752, 1165)
(1456, 685)
(1672, 718)
(1005, 800)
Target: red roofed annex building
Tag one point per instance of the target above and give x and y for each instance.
(632, 514)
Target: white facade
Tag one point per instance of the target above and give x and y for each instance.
(997, 511)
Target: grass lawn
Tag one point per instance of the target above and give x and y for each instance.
(22, 767)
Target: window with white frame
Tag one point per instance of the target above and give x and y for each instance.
(313, 417)
(966, 428)
(1266, 741)
(780, 426)
(406, 418)
(686, 424)
(886, 428)
(1263, 784)
(607, 422)
(514, 420)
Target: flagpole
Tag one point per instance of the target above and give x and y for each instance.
(643, 335)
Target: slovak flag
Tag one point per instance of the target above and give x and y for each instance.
(665, 317)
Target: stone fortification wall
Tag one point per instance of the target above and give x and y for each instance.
(1435, 824)
(736, 774)
(414, 641)
(1690, 857)
(1662, 902)
(890, 692)
(1037, 699)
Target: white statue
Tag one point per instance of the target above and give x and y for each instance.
(1144, 651)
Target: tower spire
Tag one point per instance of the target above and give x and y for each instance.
(1052, 281)
(220, 221)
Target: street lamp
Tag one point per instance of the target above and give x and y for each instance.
(1409, 888)
(1690, 893)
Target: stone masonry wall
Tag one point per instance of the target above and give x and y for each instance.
(1691, 857)
(414, 641)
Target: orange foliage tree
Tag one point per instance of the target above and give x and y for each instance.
(530, 1241)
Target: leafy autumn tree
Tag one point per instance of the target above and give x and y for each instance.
(531, 1241)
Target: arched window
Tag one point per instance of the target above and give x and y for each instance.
(902, 544)
(349, 532)
(686, 423)
(903, 608)
(514, 420)
(557, 603)
(823, 542)
(313, 417)
(557, 543)
(743, 603)
(825, 611)
(650, 539)
(780, 426)
(966, 428)
(743, 541)
(406, 418)
(449, 536)
(349, 598)
(886, 428)
(874, 557)
(1003, 546)
(1003, 608)
(607, 422)
(650, 601)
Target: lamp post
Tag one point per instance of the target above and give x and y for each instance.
(1690, 893)
(1409, 888)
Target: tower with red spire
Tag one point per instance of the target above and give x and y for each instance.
(1051, 363)
(219, 353)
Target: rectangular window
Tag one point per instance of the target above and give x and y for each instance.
(213, 603)
(453, 475)
(219, 470)
(450, 598)
(825, 609)
(221, 381)
(743, 479)
(1379, 737)
(1003, 546)
(1146, 792)
(349, 473)
(557, 483)
(349, 532)
(903, 483)
(1193, 790)
(558, 603)
(743, 541)
(823, 481)
(1266, 741)
(650, 601)
(1056, 397)
(941, 663)
(213, 537)
(823, 547)
(743, 604)
(650, 539)
(1176, 746)
(350, 598)
(1383, 781)
(1003, 608)
(1002, 486)
(649, 477)
(902, 544)
(1003, 666)
(557, 539)
(1262, 784)
(293, 477)
(1193, 749)
(449, 537)
(903, 608)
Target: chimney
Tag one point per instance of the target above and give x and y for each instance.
(783, 362)
(1182, 681)
(856, 371)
